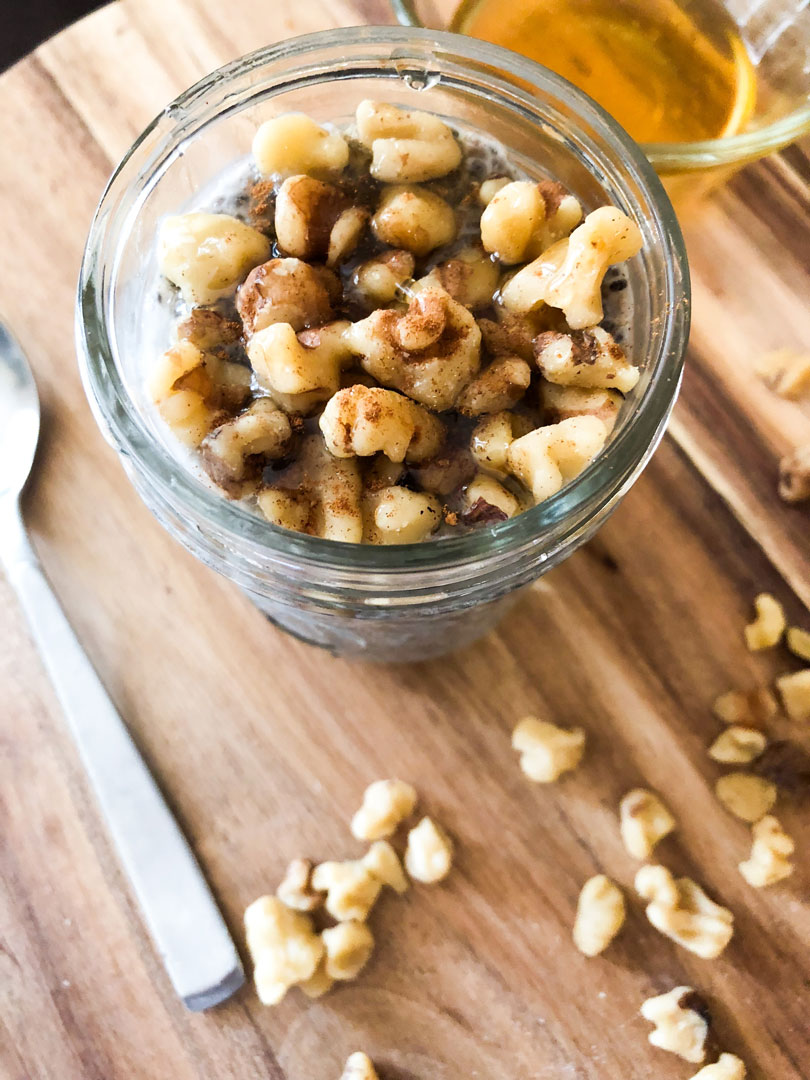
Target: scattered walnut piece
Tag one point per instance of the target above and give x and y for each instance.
(681, 1020)
(787, 765)
(429, 854)
(351, 889)
(296, 889)
(383, 862)
(786, 372)
(727, 1067)
(547, 751)
(600, 915)
(771, 849)
(359, 1067)
(798, 641)
(348, 946)
(767, 628)
(738, 745)
(794, 475)
(682, 911)
(794, 690)
(385, 804)
(747, 707)
(644, 820)
(318, 984)
(745, 795)
(283, 946)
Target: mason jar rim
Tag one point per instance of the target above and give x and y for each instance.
(120, 419)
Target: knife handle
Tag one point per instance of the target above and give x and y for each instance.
(180, 912)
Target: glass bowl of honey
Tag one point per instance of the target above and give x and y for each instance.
(704, 86)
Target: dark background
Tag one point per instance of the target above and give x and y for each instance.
(24, 24)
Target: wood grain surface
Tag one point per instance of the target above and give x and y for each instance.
(264, 746)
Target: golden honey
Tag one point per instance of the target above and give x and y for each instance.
(667, 70)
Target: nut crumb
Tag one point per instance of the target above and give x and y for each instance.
(681, 1019)
(600, 915)
(794, 690)
(385, 804)
(738, 745)
(767, 628)
(750, 708)
(547, 751)
(771, 849)
(644, 820)
(798, 641)
(682, 911)
(359, 1067)
(747, 796)
(429, 854)
(727, 1067)
(296, 890)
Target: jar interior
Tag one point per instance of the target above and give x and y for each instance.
(545, 136)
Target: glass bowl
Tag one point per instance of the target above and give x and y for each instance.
(403, 602)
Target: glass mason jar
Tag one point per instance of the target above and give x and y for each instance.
(409, 601)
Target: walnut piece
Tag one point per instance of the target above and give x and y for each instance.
(207, 255)
(738, 745)
(359, 1067)
(745, 795)
(794, 689)
(767, 629)
(548, 458)
(488, 501)
(771, 849)
(383, 862)
(348, 946)
(429, 853)
(600, 915)
(429, 353)
(397, 515)
(727, 1067)
(644, 821)
(681, 1024)
(293, 143)
(234, 452)
(283, 946)
(498, 387)
(365, 420)
(547, 751)
(285, 291)
(787, 372)
(747, 707)
(470, 277)
(407, 146)
(523, 219)
(563, 402)
(351, 889)
(682, 911)
(585, 358)
(798, 641)
(386, 803)
(414, 219)
(296, 889)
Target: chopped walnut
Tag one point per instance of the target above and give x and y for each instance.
(794, 689)
(644, 821)
(429, 353)
(397, 515)
(569, 274)
(470, 277)
(298, 371)
(794, 475)
(547, 751)
(747, 707)
(600, 915)
(585, 358)
(681, 1023)
(745, 795)
(429, 854)
(563, 402)
(406, 145)
(307, 210)
(351, 889)
(359, 1067)
(522, 219)
(296, 889)
(362, 421)
(498, 387)
(738, 745)
(283, 946)
(681, 910)
(413, 218)
(386, 803)
(787, 372)
(285, 291)
(234, 453)
(488, 501)
(207, 255)
(348, 946)
(767, 629)
(376, 281)
(727, 1067)
(293, 143)
(511, 335)
(491, 439)
(550, 457)
(318, 984)
(798, 641)
(384, 863)
(207, 330)
(771, 849)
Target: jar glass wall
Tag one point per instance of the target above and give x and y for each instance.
(401, 602)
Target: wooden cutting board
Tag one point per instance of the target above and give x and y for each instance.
(265, 745)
